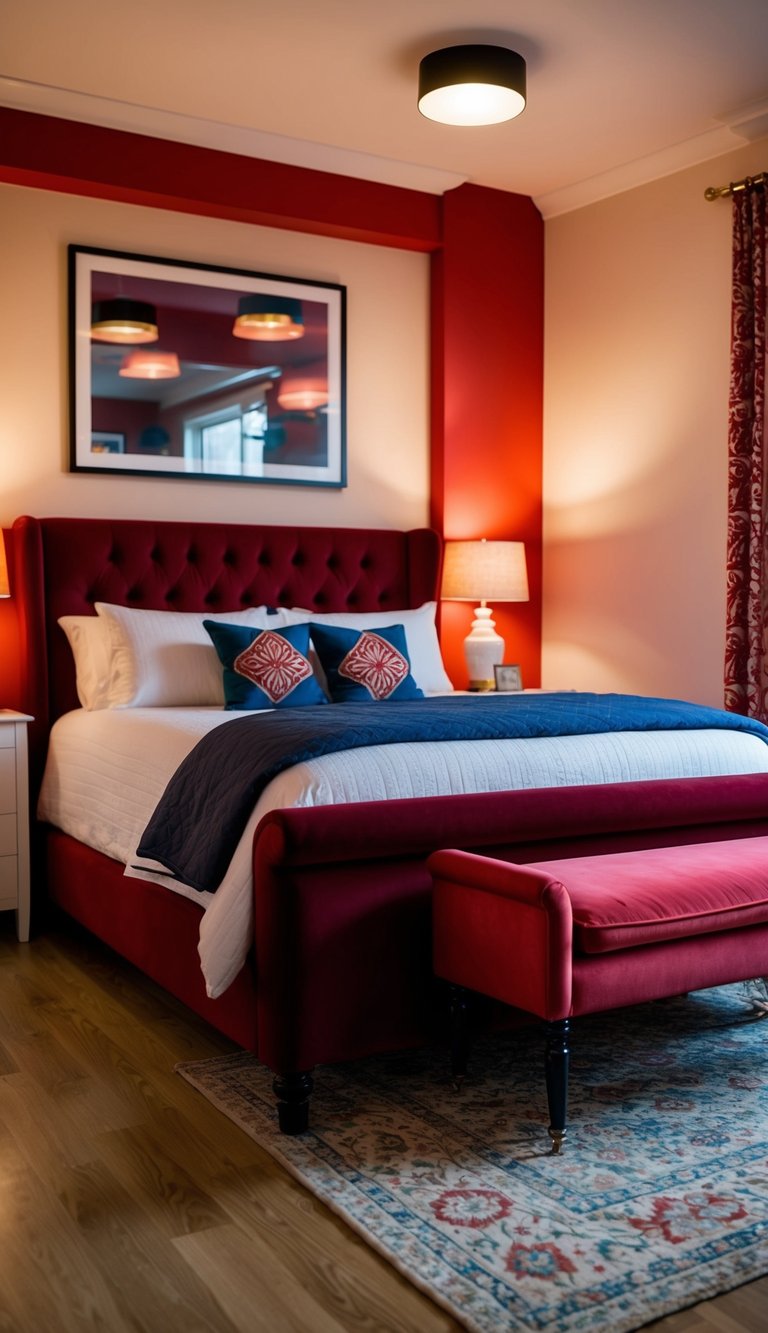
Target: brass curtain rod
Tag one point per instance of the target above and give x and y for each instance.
(721, 191)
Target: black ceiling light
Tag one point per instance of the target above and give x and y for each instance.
(122, 320)
(269, 318)
(472, 85)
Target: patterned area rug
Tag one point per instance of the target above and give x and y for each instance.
(659, 1200)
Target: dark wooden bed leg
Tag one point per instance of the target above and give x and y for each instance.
(556, 1072)
(293, 1092)
(460, 1039)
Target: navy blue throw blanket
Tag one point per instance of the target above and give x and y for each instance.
(200, 818)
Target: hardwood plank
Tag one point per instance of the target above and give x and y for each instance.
(152, 1286)
(40, 1134)
(215, 1147)
(139, 1074)
(744, 1308)
(45, 1060)
(172, 1034)
(315, 1245)
(52, 1282)
(309, 1239)
(108, 1043)
(157, 1180)
(126, 992)
(89, 1096)
(748, 1302)
(7, 1063)
(265, 1296)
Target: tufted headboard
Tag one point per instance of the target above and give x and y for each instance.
(63, 565)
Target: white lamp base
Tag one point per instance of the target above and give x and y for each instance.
(483, 649)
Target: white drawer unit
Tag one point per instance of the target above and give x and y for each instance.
(14, 819)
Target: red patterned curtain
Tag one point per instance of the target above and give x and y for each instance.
(746, 654)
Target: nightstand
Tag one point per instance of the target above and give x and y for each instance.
(14, 818)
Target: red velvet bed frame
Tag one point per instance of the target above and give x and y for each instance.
(340, 965)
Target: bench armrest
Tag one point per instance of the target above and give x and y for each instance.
(503, 929)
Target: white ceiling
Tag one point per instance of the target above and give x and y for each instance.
(619, 91)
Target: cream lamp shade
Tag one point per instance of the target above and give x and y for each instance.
(484, 571)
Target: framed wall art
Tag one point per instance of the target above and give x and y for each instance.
(218, 374)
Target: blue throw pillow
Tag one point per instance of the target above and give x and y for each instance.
(265, 668)
(365, 665)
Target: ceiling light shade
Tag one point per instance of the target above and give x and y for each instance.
(268, 318)
(150, 366)
(121, 320)
(472, 85)
(302, 393)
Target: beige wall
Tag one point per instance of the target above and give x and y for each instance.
(635, 455)
(387, 367)
(637, 331)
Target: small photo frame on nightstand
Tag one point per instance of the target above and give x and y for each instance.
(508, 678)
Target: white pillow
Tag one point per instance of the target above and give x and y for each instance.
(420, 635)
(91, 646)
(165, 659)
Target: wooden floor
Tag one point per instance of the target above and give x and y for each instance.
(127, 1202)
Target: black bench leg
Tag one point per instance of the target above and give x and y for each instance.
(460, 1039)
(556, 1071)
(293, 1093)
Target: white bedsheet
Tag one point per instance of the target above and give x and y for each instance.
(107, 770)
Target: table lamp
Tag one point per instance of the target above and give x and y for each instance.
(484, 571)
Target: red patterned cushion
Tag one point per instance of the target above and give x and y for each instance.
(272, 663)
(365, 665)
(375, 664)
(267, 668)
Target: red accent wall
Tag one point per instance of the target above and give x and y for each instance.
(486, 456)
(486, 310)
(10, 650)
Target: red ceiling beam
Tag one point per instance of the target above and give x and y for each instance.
(47, 153)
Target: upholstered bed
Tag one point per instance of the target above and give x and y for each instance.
(337, 960)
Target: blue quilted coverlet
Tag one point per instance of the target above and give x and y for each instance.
(200, 818)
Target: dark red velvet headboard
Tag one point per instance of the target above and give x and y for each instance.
(63, 565)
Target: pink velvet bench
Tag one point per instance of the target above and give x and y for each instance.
(575, 936)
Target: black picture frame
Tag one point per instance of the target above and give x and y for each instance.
(237, 408)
